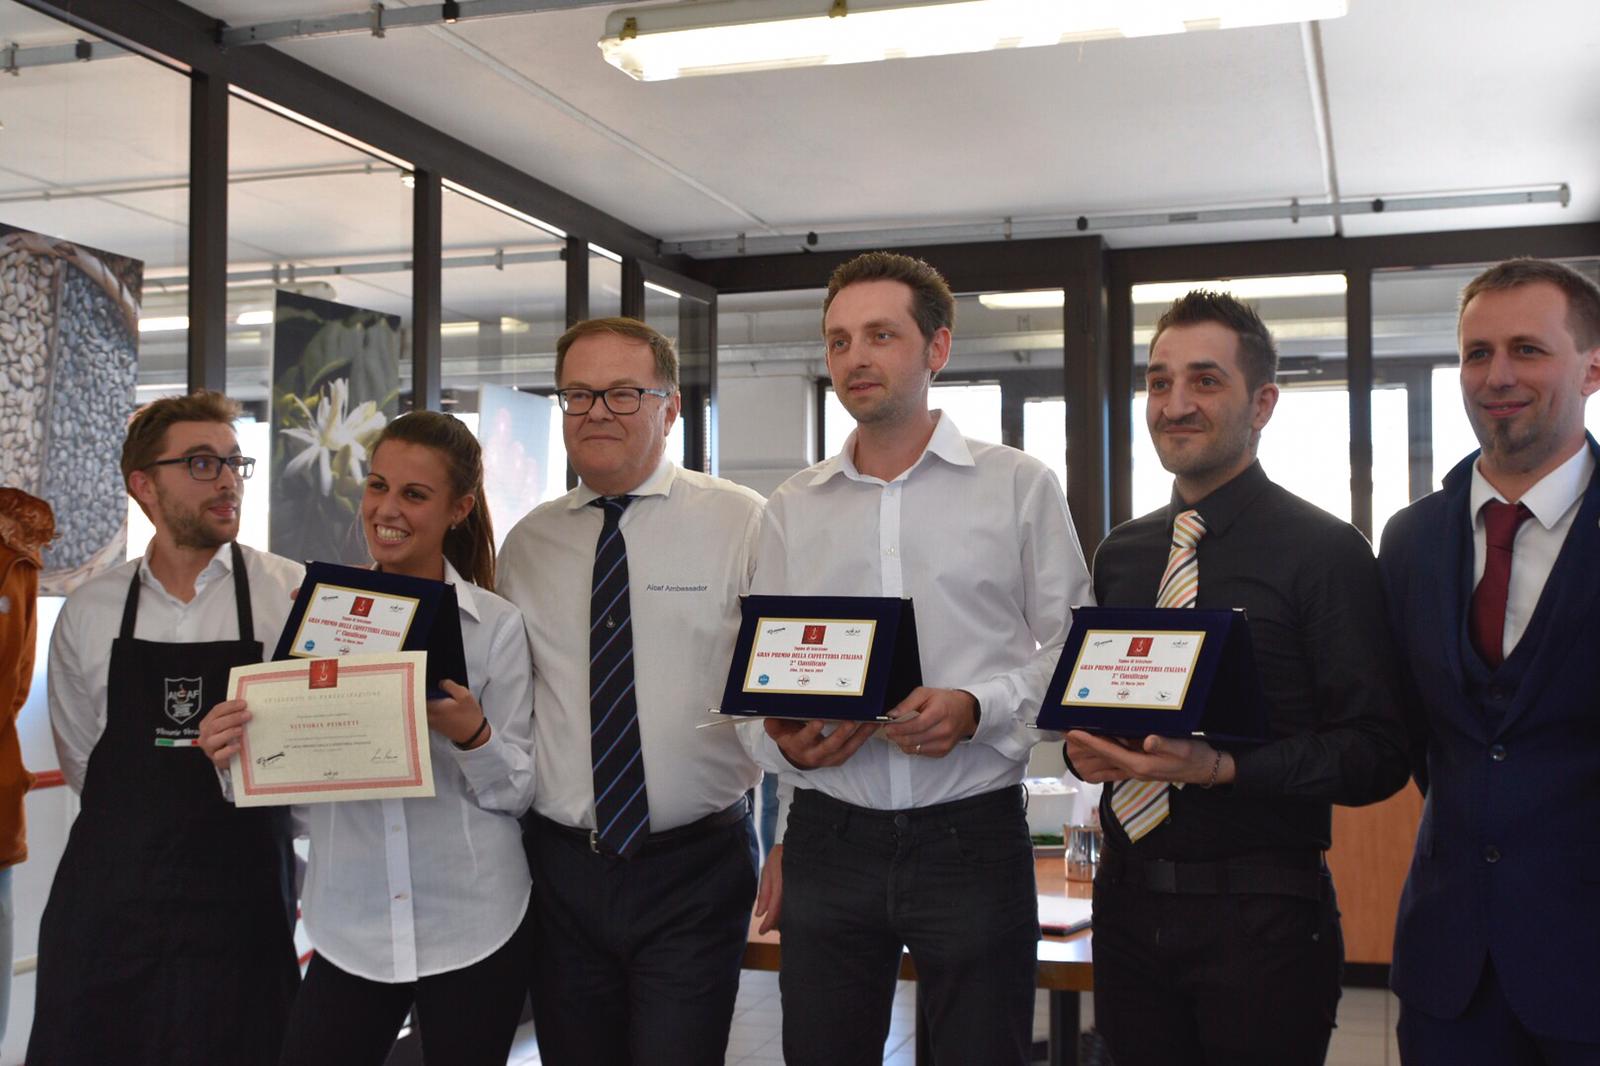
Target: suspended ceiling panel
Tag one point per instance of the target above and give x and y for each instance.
(1462, 94)
(1426, 95)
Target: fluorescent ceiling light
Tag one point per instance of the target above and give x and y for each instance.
(733, 36)
(663, 290)
(1022, 301)
(172, 324)
(255, 318)
(1245, 288)
(458, 329)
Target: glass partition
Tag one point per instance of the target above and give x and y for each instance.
(503, 290)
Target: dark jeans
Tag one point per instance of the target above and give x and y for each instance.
(637, 960)
(1486, 1032)
(1190, 980)
(466, 1017)
(953, 883)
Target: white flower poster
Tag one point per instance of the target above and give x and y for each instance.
(335, 385)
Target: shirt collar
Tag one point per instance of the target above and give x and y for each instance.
(1225, 503)
(466, 591)
(221, 564)
(657, 484)
(1550, 498)
(946, 443)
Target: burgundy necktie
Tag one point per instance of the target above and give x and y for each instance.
(1487, 618)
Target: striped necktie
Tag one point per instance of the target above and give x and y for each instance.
(621, 807)
(1140, 806)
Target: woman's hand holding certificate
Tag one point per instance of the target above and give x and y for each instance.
(314, 730)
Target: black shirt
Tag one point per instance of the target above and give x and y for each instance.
(1310, 586)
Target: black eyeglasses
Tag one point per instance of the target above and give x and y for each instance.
(209, 467)
(619, 399)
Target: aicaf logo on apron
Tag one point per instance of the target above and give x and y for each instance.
(183, 698)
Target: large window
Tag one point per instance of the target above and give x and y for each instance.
(1306, 446)
(503, 291)
(327, 225)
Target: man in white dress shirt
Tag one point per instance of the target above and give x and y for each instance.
(914, 834)
(640, 840)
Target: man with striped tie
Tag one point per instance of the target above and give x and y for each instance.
(640, 840)
(1216, 932)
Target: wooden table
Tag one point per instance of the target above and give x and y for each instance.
(1066, 966)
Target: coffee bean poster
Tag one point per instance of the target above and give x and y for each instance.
(335, 385)
(69, 355)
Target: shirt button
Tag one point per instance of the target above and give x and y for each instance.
(901, 821)
(1491, 854)
(1497, 752)
(402, 896)
(395, 828)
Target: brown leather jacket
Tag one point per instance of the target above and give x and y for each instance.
(26, 526)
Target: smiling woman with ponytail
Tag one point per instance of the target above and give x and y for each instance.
(419, 904)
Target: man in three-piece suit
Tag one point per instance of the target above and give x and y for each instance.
(1494, 591)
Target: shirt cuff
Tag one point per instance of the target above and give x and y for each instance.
(1251, 772)
(999, 725)
(486, 765)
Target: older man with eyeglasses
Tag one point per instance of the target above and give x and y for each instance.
(640, 838)
(168, 936)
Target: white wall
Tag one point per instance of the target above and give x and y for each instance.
(765, 424)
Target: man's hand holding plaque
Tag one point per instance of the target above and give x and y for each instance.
(813, 660)
(1098, 759)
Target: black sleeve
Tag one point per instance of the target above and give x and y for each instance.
(1354, 752)
(1394, 565)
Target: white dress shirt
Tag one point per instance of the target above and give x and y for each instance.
(80, 647)
(399, 889)
(977, 535)
(690, 541)
(1554, 503)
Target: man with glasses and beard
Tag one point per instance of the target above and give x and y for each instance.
(168, 936)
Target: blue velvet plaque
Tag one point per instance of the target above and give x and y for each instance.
(345, 610)
(1167, 671)
(845, 658)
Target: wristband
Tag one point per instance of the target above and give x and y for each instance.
(466, 745)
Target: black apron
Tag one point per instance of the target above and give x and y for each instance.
(168, 938)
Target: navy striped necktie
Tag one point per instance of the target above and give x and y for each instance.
(621, 807)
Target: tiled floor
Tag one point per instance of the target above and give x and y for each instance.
(1365, 1036)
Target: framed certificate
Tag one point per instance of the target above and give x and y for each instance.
(849, 658)
(1166, 671)
(346, 610)
(343, 728)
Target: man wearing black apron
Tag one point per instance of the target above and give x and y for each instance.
(168, 936)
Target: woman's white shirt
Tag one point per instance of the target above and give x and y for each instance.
(401, 889)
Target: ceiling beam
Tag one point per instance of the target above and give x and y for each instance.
(378, 19)
(1010, 229)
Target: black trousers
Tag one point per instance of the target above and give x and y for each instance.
(637, 960)
(466, 1017)
(1199, 980)
(954, 883)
